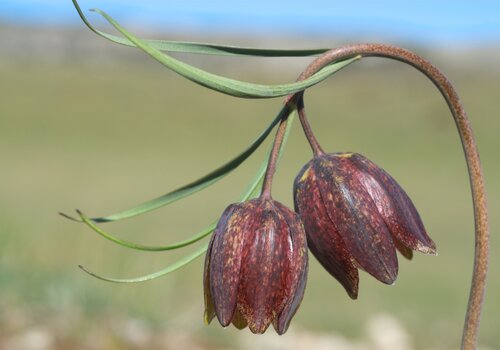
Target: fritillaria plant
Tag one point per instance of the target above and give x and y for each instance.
(349, 212)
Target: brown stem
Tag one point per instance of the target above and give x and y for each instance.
(317, 150)
(478, 284)
(275, 151)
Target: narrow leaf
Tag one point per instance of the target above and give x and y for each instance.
(205, 232)
(253, 190)
(171, 268)
(199, 184)
(227, 85)
(201, 48)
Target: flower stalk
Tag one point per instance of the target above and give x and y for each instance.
(313, 142)
(481, 254)
(275, 152)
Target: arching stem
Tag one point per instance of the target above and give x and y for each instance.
(478, 284)
(316, 147)
(275, 151)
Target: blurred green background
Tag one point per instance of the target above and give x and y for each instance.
(104, 134)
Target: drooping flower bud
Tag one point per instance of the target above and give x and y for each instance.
(256, 266)
(356, 215)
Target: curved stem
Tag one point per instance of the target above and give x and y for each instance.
(275, 151)
(317, 150)
(478, 284)
(290, 104)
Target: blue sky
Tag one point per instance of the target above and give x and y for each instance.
(469, 22)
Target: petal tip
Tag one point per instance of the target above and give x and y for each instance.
(389, 278)
(224, 316)
(353, 294)
(207, 318)
(427, 249)
(224, 323)
(280, 327)
(258, 328)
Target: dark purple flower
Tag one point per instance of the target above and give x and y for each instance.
(256, 266)
(356, 216)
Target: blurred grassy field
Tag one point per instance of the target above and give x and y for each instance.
(104, 139)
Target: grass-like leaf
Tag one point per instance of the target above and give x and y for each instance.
(196, 185)
(226, 85)
(203, 78)
(201, 48)
(253, 189)
(171, 268)
(202, 234)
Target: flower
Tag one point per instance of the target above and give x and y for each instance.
(256, 266)
(356, 216)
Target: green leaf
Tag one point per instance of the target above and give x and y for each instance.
(253, 190)
(199, 184)
(226, 85)
(194, 186)
(202, 234)
(201, 48)
(171, 268)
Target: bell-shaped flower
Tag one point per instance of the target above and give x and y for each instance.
(256, 266)
(356, 216)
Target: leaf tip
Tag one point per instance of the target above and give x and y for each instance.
(99, 11)
(69, 217)
(81, 267)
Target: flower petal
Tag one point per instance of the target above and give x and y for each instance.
(395, 206)
(356, 217)
(264, 267)
(297, 274)
(225, 262)
(238, 320)
(209, 305)
(404, 250)
(323, 238)
(282, 322)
